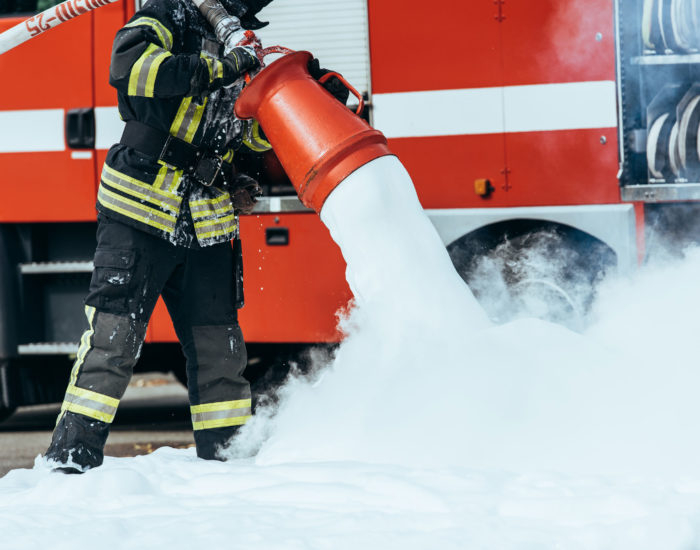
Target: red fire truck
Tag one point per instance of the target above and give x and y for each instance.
(520, 122)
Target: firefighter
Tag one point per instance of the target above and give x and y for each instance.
(168, 205)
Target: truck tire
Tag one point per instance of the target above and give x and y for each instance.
(528, 268)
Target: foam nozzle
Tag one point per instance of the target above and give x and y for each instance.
(227, 27)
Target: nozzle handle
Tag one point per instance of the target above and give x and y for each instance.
(353, 91)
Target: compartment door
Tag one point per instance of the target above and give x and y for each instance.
(560, 102)
(44, 79)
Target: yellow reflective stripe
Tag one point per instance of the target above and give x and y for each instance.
(252, 146)
(221, 414)
(227, 229)
(210, 67)
(215, 67)
(218, 69)
(187, 119)
(118, 203)
(165, 36)
(180, 116)
(221, 406)
(257, 137)
(167, 179)
(196, 119)
(93, 396)
(253, 140)
(164, 198)
(220, 423)
(137, 68)
(90, 403)
(216, 221)
(91, 413)
(83, 349)
(153, 72)
(228, 157)
(142, 79)
(203, 208)
(84, 344)
(143, 207)
(137, 194)
(204, 202)
(215, 211)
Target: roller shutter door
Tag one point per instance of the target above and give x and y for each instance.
(334, 31)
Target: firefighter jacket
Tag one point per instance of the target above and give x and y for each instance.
(166, 66)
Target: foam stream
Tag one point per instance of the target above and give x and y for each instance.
(424, 378)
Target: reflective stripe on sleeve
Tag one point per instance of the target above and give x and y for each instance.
(228, 157)
(216, 67)
(222, 414)
(164, 35)
(252, 138)
(143, 74)
(89, 403)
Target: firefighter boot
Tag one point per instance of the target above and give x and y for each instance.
(77, 444)
(210, 443)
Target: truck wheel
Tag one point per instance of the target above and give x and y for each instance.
(527, 269)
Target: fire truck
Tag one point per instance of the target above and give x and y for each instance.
(568, 125)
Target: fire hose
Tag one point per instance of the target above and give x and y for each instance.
(226, 27)
(47, 19)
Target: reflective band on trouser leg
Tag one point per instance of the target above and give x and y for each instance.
(222, 414)
(85, 345)
(90, 403)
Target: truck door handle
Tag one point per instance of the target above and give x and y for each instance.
(80, 128)
(277, 236)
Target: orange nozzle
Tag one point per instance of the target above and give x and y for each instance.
(318, 141)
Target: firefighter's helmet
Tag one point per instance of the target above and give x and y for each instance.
(246, 11)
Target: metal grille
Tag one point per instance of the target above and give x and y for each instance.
(335, 32)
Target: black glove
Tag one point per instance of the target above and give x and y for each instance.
(239, 61)
(244, 194)
(333, 85)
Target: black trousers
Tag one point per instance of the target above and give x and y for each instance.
(132, 269)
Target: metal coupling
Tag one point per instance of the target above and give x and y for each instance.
(227, 27)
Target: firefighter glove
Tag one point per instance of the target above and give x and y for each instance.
(239, 61)
(333, 85)
(244, 194)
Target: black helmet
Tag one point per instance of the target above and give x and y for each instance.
(246, 10)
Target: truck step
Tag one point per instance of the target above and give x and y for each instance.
(49, 348)
(47, 268)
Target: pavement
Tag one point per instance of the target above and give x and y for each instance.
(153, 413)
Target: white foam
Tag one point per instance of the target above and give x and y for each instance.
(424, 379)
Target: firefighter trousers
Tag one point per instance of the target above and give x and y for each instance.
(132, 269)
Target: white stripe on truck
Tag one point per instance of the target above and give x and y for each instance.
(474, 111)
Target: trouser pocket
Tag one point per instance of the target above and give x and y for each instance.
(112, 280)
